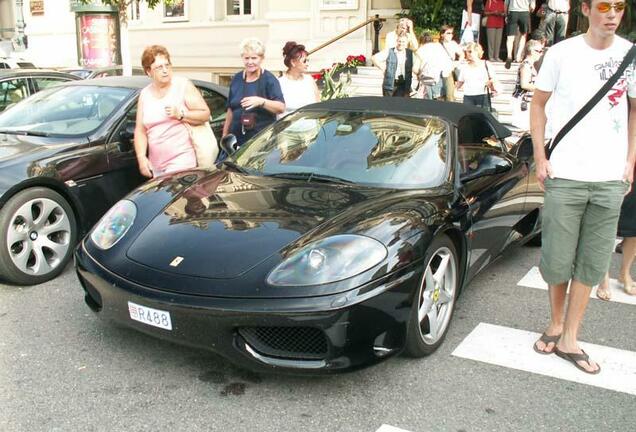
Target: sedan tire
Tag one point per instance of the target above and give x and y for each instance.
(434, 302)
(37, 235)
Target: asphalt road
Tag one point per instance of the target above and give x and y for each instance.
(62, 368)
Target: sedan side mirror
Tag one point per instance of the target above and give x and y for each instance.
(126, 137)
(229, 144)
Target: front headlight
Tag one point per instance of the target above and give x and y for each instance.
(114, 225)
(329, 260)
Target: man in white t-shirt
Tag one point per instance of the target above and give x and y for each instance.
(588, 173)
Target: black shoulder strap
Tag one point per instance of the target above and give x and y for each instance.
(629, 58)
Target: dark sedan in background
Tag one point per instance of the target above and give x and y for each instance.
(66, 156)
(18, 84)
(337, 237)
(101, 72)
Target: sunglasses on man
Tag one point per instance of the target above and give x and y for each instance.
(604, 7)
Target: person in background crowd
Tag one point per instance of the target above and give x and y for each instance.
(539, 36)
(455, 55)
(526, 76)
(298, 89)
(404, 26)
(162, 140)
(495, 11)
(627, 230)
(475, 7)
(435, 66)
(476, 78)
(397, 64)
(518, 20)
(555, 20)
(255, 96)
(588, 174)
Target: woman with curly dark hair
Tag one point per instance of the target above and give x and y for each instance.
(298, 88)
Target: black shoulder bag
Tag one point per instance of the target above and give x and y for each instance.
(551, 144)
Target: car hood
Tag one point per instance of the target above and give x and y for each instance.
(225, 224)
(13, 146)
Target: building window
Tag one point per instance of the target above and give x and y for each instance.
(175, 11)
(134, 10)
(239, 7)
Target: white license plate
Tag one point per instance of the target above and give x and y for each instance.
(150, 316)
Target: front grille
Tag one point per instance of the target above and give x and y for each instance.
(306, 343)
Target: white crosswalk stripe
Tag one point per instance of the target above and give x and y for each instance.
(387, 428)
(512, 348)
(533, 279)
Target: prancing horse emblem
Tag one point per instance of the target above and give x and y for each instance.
(175, 262)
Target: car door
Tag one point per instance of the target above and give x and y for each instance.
(120, 151)
(497, 200)
(12, 90)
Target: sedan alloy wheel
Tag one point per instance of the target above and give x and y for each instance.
(38, 234)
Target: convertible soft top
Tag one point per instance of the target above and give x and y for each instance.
(450, 111)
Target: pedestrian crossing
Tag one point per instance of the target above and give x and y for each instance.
(512, 348)
(533, 279)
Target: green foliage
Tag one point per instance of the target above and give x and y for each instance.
(332, 89)
(122, 5)
(432, 14)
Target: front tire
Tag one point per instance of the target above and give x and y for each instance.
(37, 234)
(434, 302)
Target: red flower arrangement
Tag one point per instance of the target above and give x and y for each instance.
(351, 62)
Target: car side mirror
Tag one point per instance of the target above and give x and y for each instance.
(229, 144)
(126, 136)
(489, 165)
(525, 151)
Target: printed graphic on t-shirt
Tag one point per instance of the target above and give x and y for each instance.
(606, 70)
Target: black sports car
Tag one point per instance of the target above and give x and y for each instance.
(338, 236)
(66, 156)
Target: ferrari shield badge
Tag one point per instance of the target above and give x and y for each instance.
(175, 262)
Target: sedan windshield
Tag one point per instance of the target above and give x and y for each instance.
(67, 111)
(369, 149)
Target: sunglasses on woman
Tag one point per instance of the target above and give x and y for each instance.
(604, 7)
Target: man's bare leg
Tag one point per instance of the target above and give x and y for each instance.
(557, 314)
(521, 47)
(577, 303)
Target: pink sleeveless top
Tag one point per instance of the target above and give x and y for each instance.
(169, 145)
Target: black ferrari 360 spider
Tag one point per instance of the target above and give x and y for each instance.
(338, 236)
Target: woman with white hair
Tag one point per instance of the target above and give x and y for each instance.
(476, 78)
(255, 96)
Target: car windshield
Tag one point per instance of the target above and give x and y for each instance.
(370, 149)
(67, 110)
(82, 73)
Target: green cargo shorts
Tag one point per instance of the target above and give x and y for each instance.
(578, 229)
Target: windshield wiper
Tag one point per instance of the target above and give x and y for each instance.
(311, 177)
(24, 132)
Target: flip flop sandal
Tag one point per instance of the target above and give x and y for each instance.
(546, 340)
(574, 358)
(604, 294)
(630, 290)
